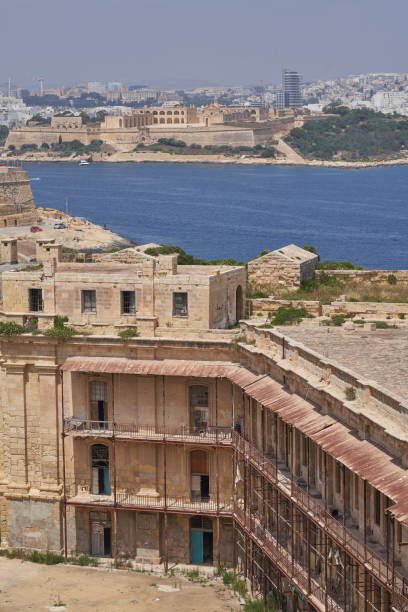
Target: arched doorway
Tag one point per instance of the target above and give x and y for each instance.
(200, 479)
(100, 470)
(239, 304)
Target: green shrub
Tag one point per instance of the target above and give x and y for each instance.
(130, 332)
(114, 250)
(401, 315)
(11, 329)
(258, 294)
(338, 320)
(287, 316)
(63, 333)
(382, 325)
(392, 279)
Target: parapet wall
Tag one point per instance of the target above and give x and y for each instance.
(323, 382)
(379, 276)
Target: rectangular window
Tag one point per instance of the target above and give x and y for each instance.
(180, 305)
(377, 507)
(89, 300)
(128, 302)
(35, 301)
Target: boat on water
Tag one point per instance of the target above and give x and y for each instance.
(83, 162)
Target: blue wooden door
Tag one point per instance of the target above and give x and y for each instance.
(197, 552)
(106, 481)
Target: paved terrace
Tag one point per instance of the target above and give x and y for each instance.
(380, 355)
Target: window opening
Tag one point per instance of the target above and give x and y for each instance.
(98, 401)
(128, 302)
(100, 470)
(35, 301)
(89, 300)
(180, 304)
(199, 407)
(200, 480)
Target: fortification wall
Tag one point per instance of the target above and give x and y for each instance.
(37, 135)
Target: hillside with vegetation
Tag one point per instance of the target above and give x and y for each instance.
(351, 135)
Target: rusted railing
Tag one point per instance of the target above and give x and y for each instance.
(282, 558)
(343, 537)
(160, 503)
(183, 433)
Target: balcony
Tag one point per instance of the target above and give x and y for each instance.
(314, 510)
(131, 501)
(129, 431)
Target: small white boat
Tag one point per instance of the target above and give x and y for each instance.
(83, 162)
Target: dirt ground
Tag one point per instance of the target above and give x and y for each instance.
(30, 586)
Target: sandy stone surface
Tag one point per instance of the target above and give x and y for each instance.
(81, 234)
(29, 586)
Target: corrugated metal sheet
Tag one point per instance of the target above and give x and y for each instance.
(339, 441)
(166, 367)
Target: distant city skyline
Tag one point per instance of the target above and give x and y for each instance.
(230, 42)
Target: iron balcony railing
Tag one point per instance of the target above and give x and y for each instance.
(152, 502)
(339, 533)
(131, 431)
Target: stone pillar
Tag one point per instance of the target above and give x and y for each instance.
(49, 428)
(15, 428)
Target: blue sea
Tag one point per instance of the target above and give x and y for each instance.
(236, 211)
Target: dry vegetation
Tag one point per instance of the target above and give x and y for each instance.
(329, 288)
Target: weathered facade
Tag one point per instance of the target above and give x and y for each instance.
(202, 452)
(107, 297)
(288, 267)
(17, 205)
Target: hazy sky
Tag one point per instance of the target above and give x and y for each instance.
(219, 41)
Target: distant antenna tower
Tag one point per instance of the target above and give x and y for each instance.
(9, 87)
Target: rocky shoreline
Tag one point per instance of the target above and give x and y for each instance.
(158, 157)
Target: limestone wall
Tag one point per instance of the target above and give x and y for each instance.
(17, 205)
(266, 305)
(370, 309)
(272, 270)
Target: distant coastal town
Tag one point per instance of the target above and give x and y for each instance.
(359, 121)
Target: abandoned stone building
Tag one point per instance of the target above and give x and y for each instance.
(209, 452)
(105, 297)
(17, 205)
(288, 266)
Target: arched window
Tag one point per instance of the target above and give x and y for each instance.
(176, 120)
(162, 113)
(200, 479)
(98, 397)
(120, 123)
(169, 120)
(169, 112)
(176, 113)
(100, 470)
(162, 120)
(199, 407)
